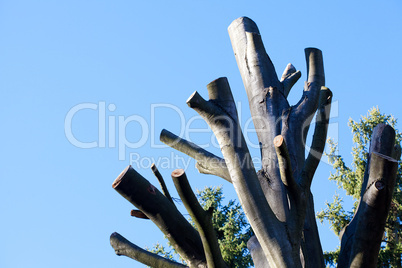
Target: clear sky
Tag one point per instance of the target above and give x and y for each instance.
(83, 81)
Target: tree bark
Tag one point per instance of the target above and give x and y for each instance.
(374, 208)
(143, 195)
(207, 163)
(257, 254)
(201, 218)
(123, 247)
(161, 181)
(311, 244)
(361, 238)
(272, 116)
(221, 115)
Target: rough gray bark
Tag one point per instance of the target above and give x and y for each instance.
(277, 199)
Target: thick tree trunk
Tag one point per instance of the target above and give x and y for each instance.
(272, 116)
(221, 115)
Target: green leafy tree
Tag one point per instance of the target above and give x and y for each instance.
(231, 227)
(350, 179)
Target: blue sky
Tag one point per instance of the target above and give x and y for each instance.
(116, 61)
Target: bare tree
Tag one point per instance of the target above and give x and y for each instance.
(276, 199)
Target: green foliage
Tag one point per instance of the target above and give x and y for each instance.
(350, 179)
(331, 257)
(230, 224)
(168, 253)
(335, 214)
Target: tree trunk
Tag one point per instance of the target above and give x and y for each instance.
(361, 238)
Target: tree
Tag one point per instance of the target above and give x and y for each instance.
(350, 179)
(277, 199)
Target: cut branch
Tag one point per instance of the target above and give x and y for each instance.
(301, 117)
(315, 66)
(138, 214)
(201, 218)
(285, 167)
(261, 83)
(161, 182)
(374, 209)
(367, 225)
(143, 195)
(319, 138)
(289, 77)
(308, 104)
(254, 64)
(123, 247)
(267, 103)
(207, 163)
